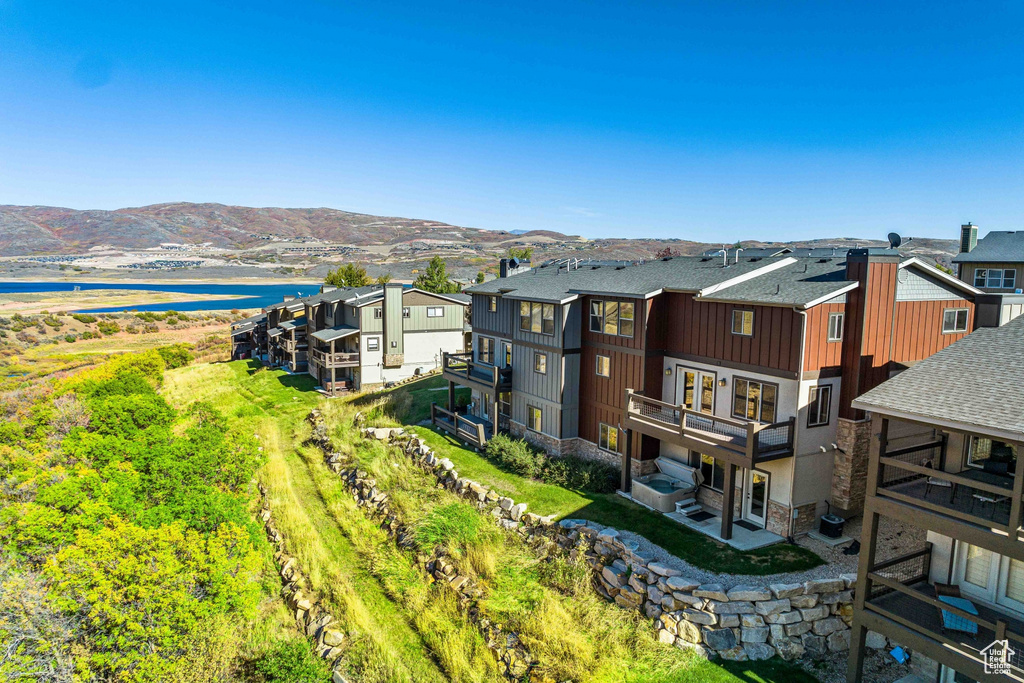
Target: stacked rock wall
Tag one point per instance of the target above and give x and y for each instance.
(789, 620)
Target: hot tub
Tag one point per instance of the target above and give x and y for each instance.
(673, 482)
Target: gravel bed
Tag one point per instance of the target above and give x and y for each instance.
(879, 667)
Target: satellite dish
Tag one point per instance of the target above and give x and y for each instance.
(513, 263)
(895, 240)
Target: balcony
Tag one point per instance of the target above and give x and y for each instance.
(741, 442)
(471, 429)
(902, 604)
(326, 359)
(462, 369)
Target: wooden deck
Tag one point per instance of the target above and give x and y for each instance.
(470, 428)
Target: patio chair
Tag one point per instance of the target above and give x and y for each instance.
(937, 482)
(955, 622)
(993, 499)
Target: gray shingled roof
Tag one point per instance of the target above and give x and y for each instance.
(332, 333)
(978, 383)
(998, 246)
(798, 284)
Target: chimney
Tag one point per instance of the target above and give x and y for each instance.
(508, 267)
(327, 288)
(968, 238)
(394, 326)
(289, 297)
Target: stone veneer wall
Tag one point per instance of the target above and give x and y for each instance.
(850, 471)
(758, 621)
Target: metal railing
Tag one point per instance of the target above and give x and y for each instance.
(462, 366)
(906, 569)
(744, 437)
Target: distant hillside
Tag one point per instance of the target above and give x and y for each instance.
(33, 230)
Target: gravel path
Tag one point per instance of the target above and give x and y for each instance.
(894, 539)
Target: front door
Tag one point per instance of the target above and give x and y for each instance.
(755, 497)
(695, 389)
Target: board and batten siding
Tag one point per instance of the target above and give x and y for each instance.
(367, 321)
(570, 395)
(547, 386)
(551, 413)
(918, 333)
(419, 322)
(500, 321)
(703, 329)
(819, 353)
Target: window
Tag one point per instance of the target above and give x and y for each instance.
(835, 326)
(485, 354)
(713, 473)
(954, 320)
(995, 278)
(612, 317)
(988, 576)
(406, 311)
(754, 400)
(604, 366)
(394, 345)
(537, 317)
(492, 303)
(992, 455)
(609, 438)
(533, 417)
(435, 311)
(743, 322)
(819, 405)
(373, 343)
(698, 390)
(378, 313)
(540, 363)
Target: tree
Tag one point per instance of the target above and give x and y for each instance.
(384, 278)
(435, 278)
(666, 253)
(480, 277)
(521, 253)
(348, 275)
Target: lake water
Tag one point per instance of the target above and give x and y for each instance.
(258, 296)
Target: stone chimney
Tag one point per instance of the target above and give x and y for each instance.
(394, 326)
(968, 238)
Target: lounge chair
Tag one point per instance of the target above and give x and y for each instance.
(937, 482)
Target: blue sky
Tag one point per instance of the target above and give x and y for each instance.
(710, 121)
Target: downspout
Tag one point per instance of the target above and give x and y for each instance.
(796, 423)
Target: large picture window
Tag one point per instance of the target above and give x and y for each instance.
(612, 317)
(485, 354)
(753, 400)
(713, 472)
(987, 576)
(537, 317)
(992, 455)
(609, 438)
(954, 320)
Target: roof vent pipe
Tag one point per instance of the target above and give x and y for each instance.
(725, 256)
(737, 259)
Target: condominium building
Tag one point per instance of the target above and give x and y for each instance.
(741, 366)
(995, 265)
(946, 469)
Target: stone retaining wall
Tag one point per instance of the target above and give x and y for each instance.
(758, 621)
(315, 622)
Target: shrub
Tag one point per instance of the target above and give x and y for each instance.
(453, 525)
(578, 473)
(108, 327)
(291, 661)
(175, 356)
(70, 338)
(84, 318)
(53, 322)
(516, 455)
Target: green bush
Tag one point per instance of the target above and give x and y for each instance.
(108, 327)
(70, 338)
(84, 318)
(516, 456)
(291, 661)
(454, 525)
(53, 322)
(176, 356)
(571, 472)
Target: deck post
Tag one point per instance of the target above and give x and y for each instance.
(334, 388)
(728, 500)
(1018, 492)
(451, 396)
(627, 461)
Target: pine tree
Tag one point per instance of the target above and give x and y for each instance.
(435, 278)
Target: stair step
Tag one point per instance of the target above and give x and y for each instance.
(692, 509)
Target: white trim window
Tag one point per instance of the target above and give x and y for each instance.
(835, 326)
(485, 354)
(406, 311)
(986, 576)
(608, 439)
(743, 322)
(378, 313)
(819, 406)
(435, 311)
(373, 343)
(612, 317)
(603, 366)
(995, 278)
(954, 320)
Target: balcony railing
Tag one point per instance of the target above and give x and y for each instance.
(461, 367)
(472, 430)
(750, 441)
(325, 359)
(899, 595)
